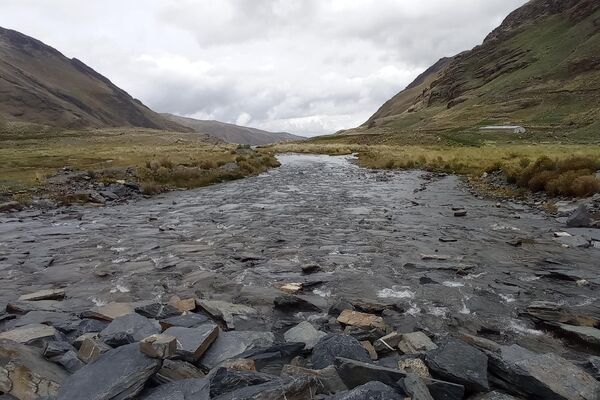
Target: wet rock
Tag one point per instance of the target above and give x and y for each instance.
(272, 359)
(183, 305)
(48, 294)
(69, 361)
(191, 320)
(29, 333)
(460, 213)
(414, 366)
(339, 306)
(495, 396)
(546, 376)
(277, 389)
(88, 325)
(441, 390)
(188, 389)
(110, 311)
(329, 380)
(227, 312)
(91, 349)
(332, 346)
(177, 370)
(135, 325)
(416, 388)
(546, 311)
(458, 362)
(118, 339)
(372, 391)
(370, 349)
(225, 380)
(55, 348)
(387, 343)
(159, 346)
(290, 303)
(119, 374)
(23, 307)
(586, 336)
(361, 320)
(10, 206)
(415, 343)
(61, 321)
(229, 345)
(193, 342)
(305, 333)
(157, 311)
(594, 365)
(292, 288)
(25, 374)
(355, 373)
(310, 269)
(580, 218)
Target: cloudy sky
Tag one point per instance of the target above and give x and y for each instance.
(304, 66)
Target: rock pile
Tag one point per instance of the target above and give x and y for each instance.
(187, 350)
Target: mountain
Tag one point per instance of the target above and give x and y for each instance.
(38, 84)
(540, 68)
(233, 133)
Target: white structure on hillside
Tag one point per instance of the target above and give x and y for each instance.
(505, 128)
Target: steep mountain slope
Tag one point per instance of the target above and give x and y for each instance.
(38, 84)
(540, 68)
(233, 133)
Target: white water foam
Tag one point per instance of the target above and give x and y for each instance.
(396, 292)
(519, 327)
(453, 284)
(322, 292)
(507, 298)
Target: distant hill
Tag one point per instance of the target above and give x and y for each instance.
(40, 85)
(540, 68)
(233, 133)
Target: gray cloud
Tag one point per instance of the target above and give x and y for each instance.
(309, 67)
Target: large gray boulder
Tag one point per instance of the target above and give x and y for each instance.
(337, 345)
(192, 343)
(119, 374)
(459, 362)
(305, 333)
(543, 376)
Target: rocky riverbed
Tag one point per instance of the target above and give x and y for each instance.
(283, 286)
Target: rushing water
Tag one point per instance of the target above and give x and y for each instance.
(367, 230)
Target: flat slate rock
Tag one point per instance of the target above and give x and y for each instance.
(157, 311)
(495, 396)
(191, 320)
(544, 376)
(192, 343)
(29, 333)
(188, 389)
(415, 387)
(177, 370)
(25, 374)
(119, 374)
(371, 391)
(227, 312)
(48, 294)
(305, 333)
(229, 345)
(337, 345)
(301, 388)
(225, 380)
(135, 325)
(355, 373)
(459, 362)
(110, 311)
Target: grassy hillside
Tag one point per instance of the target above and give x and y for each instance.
(539, 69)
(40, 85)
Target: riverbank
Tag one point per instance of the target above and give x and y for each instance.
(60, 167)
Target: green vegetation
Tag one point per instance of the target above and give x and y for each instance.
(163, 160)
(558, 169)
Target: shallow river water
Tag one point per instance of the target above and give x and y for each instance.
(379, 236)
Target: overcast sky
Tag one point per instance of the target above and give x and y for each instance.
(303, 66)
